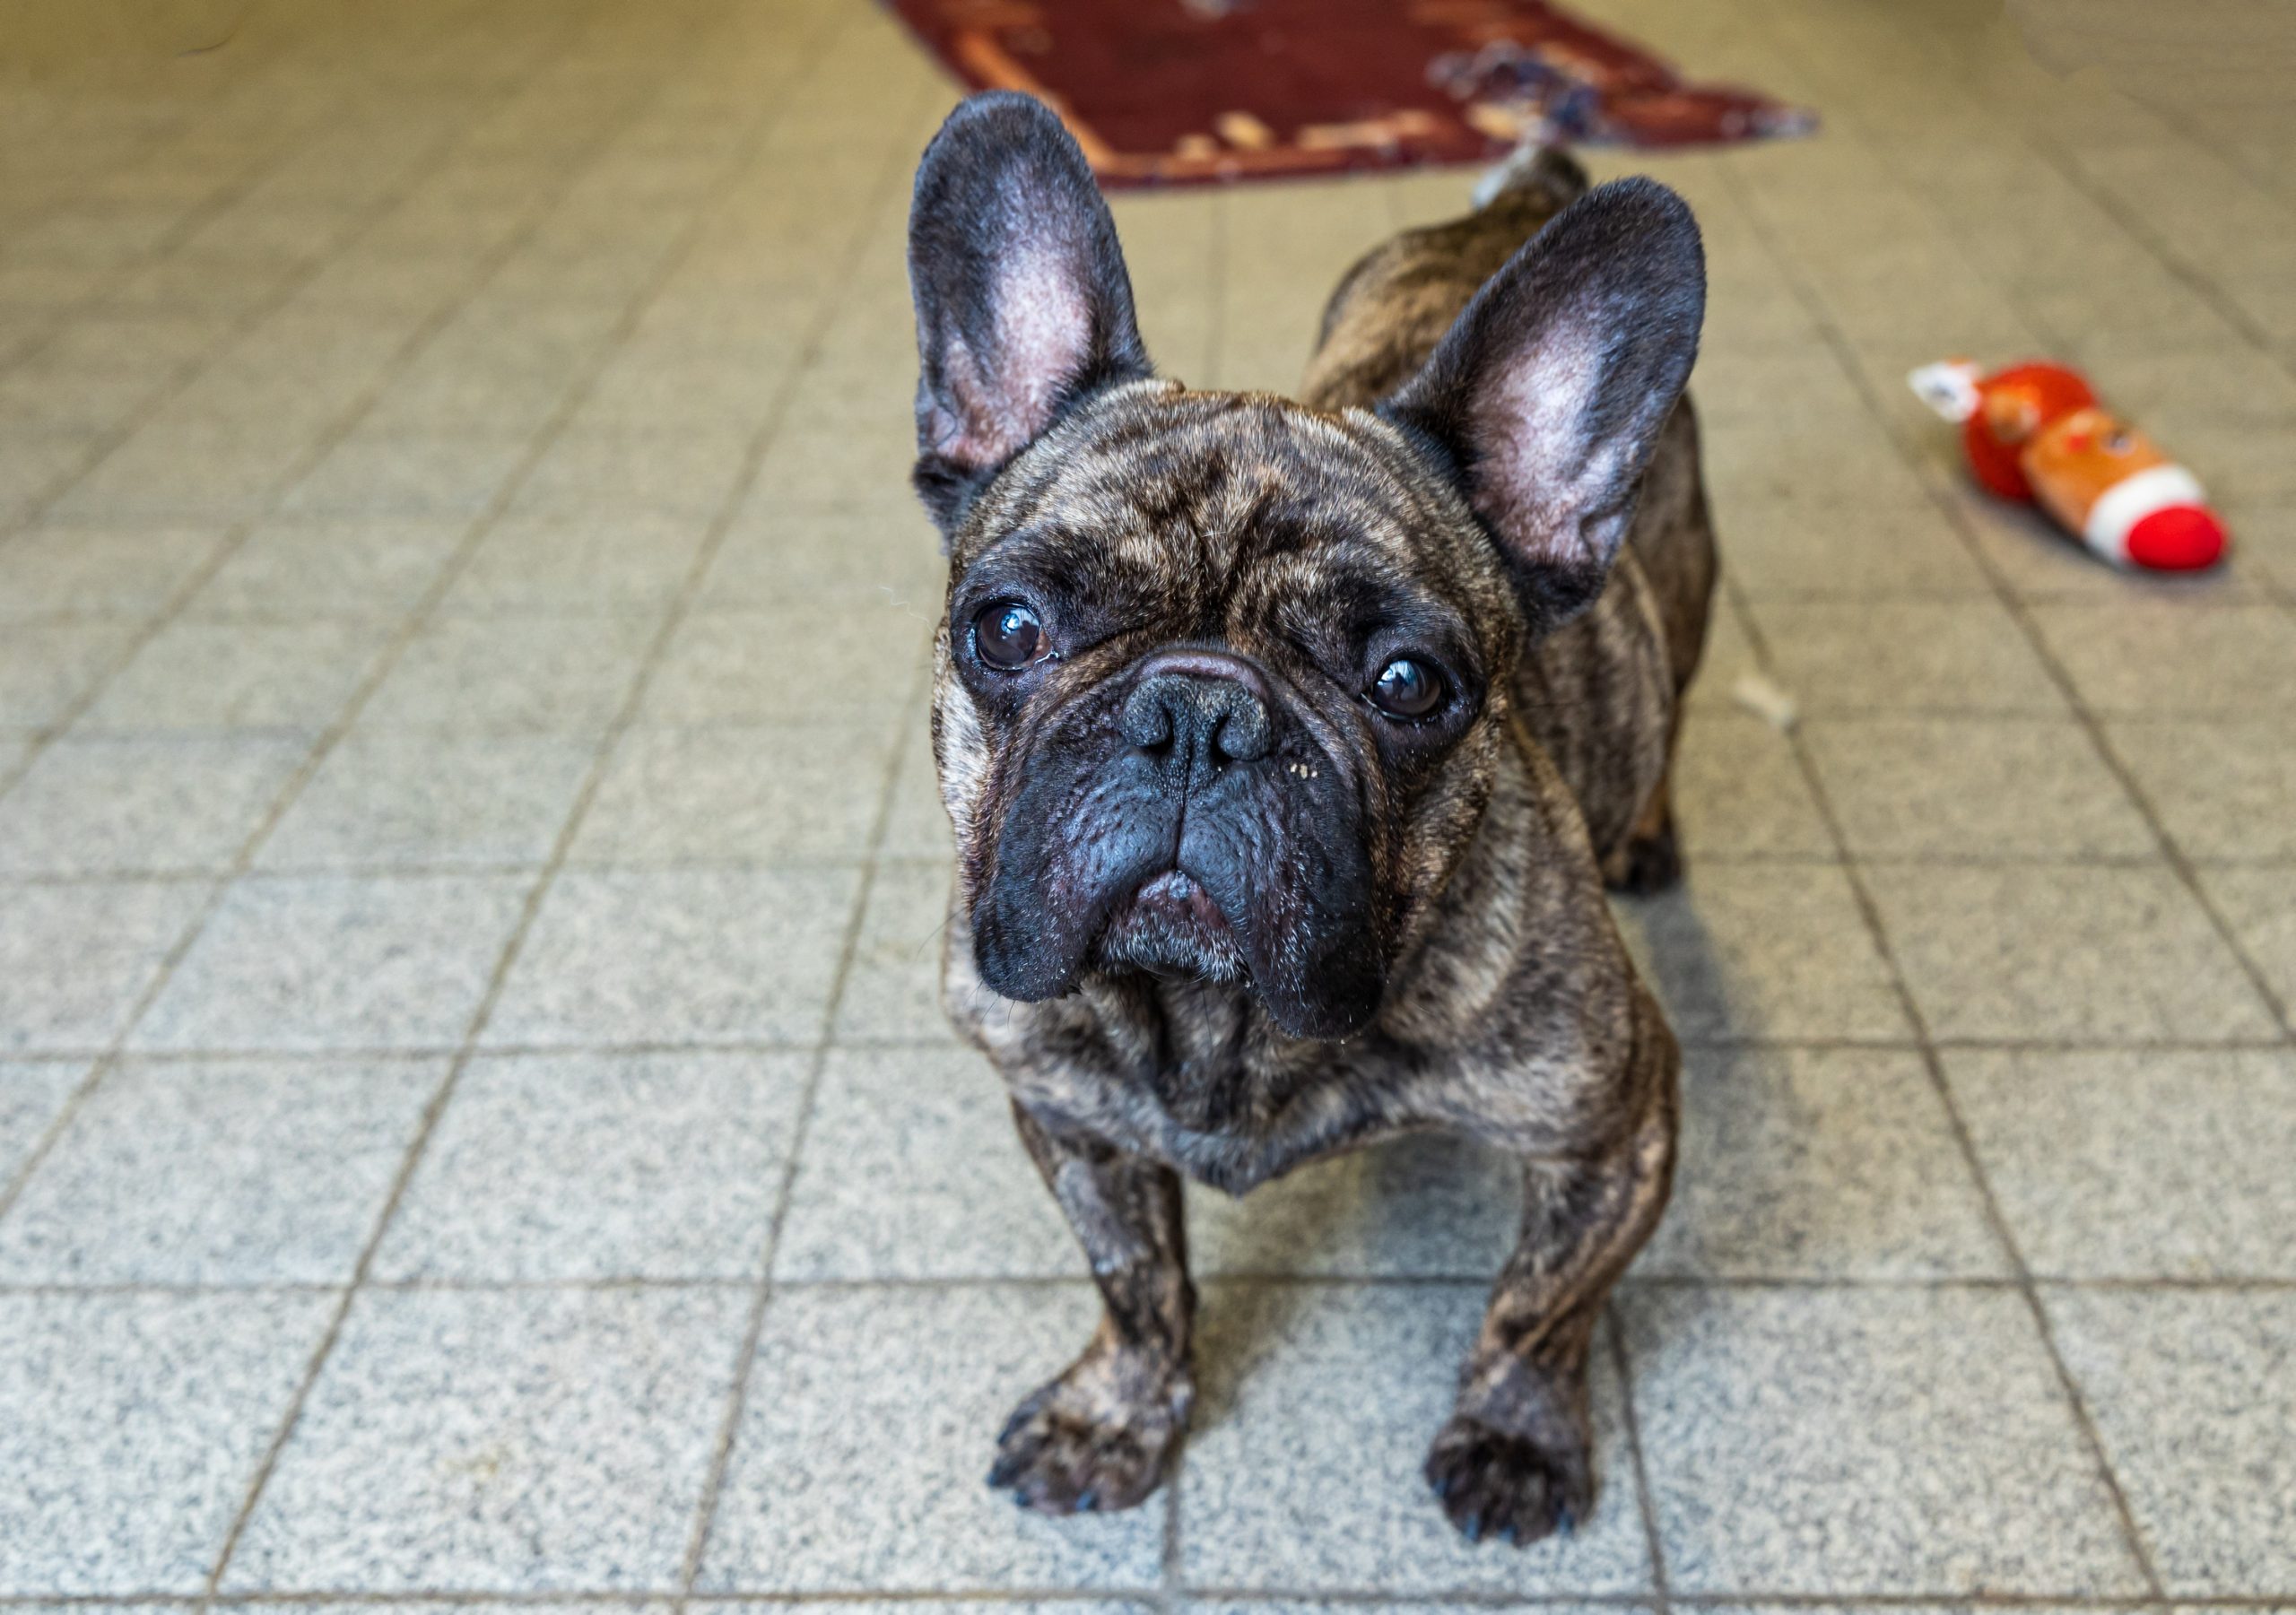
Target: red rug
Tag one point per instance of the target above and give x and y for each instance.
(1164, 92)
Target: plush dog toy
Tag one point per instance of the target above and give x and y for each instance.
(2035, 433)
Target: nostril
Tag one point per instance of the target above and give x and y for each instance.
(1147, 720)
(1242, 735)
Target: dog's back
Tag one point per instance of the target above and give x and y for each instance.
(1601, 694)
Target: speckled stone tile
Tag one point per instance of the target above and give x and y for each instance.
(775, 556)
(377, 567)
(1798, 548)
(818, 1499)
(1431, 1206)
(2222, 787)
(2194, 1396)
(32, 1095)
(1316, 1405)
(313, 963)
(679, 956)
(75, 957)
(164, 805)
(1887, 1441)
(764, 794)
(137, 1421)
(912, 1169)
(735, 667)
(2167, 656)
(2047, 953)
(1751, 952)
(421, 474)
(917, 820)
(688, 474)
(47, 667)
(218, 1172)
(2126, 1165)
(227, 675)
(579, 561)
(1738, 792)
(493, 674)
(98, 571)
(893, 991)
(1901, 655)
(2259, 903)
(530, 1440)
(589, 1167)
(1962, 788)
(395, 800)
(1819, 1164)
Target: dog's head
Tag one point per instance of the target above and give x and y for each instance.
(1223, 679)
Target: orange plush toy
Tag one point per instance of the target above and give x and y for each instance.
(2035, 433)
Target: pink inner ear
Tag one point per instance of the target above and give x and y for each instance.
(1536, 463)
(1043, 331)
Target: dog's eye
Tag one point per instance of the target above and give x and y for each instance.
(1008, 634)
(1407, 689)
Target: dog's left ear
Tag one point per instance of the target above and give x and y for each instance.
(1550, 391)
(1022, 303)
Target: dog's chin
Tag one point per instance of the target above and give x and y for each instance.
(1170, 927)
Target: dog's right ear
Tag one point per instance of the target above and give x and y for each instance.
(1022, 303)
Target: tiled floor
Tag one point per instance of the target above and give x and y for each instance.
(473, 1120)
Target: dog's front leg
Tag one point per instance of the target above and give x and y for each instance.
(1516, 1461)
(1104, 1434)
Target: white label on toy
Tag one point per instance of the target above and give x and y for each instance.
(1949, 387)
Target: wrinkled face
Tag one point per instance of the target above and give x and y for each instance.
(1217, 697)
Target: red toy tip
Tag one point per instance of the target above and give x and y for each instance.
(2181, 538)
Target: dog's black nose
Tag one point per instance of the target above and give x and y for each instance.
(1197, 711)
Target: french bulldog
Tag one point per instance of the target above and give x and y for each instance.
(1288, 745)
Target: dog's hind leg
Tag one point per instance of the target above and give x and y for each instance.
(1104, 1433)
(1516, 1461)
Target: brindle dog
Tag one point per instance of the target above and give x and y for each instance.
(1287, 746)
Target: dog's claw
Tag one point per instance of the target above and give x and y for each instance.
(1493, 1482)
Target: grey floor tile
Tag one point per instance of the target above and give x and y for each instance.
(678, 955)
(74, 959)
(687, 473)
(2223, 788)
(98, 571)
(567, 1453)
(323, 962)
(2194, 1396)
(2164, 656)
(1820, 1164)
(32, 1095)
(1963, 656)
(2122, 1165)
(870, 1417)
(371, 567)
(419, 474)
(391, 799)
(1424, 1207)
(1844, 1442)
(103, 804)
(1751, 951)
(232, 675)
(917, 820)
(138, 1421)
(2260, 906)
(1820, 549)
(912, 1170)
(497, 674)
(759, 793)
(218, 1172)
(47, 667)
(733, 667)
(588, 1167)
(1962, 788)
(894, 990)
(776, 556)
(1738, 792)
(579, 561)
(2050, 952)
(1318, 1403)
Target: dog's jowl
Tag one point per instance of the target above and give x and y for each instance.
(1289, 746)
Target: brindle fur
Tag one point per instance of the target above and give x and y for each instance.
(1507, 1008)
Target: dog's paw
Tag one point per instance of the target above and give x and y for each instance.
(1096, 1438)
(1494, 1484)
(1647, 865)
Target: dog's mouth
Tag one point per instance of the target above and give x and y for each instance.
(1170, 925)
